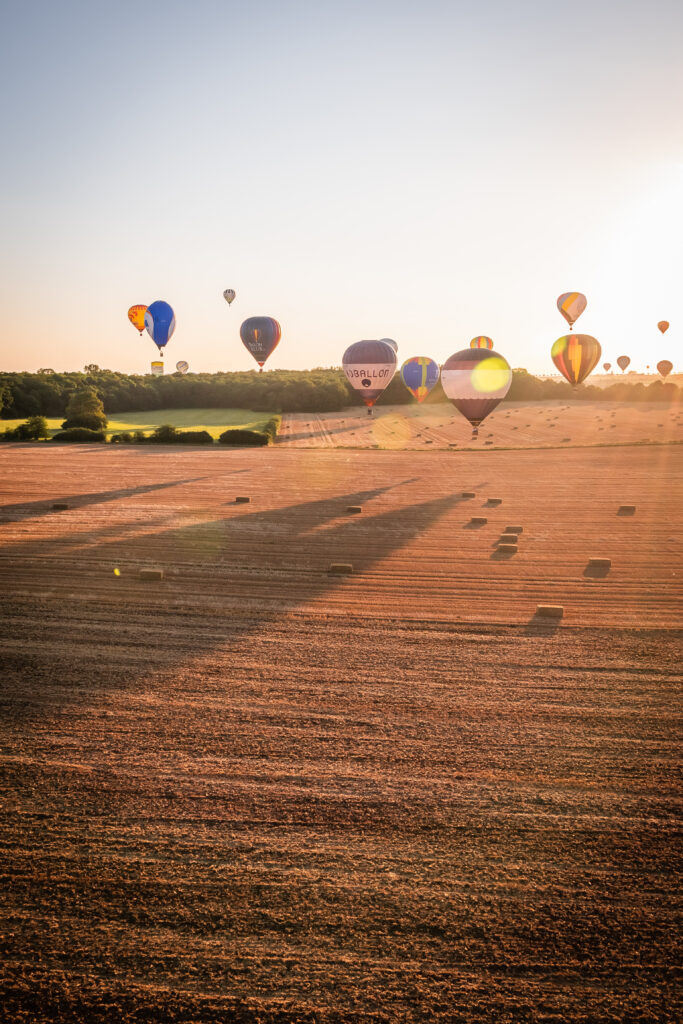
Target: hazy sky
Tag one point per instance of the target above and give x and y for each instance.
(425, 171)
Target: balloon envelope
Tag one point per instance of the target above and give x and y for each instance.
(420, 374)
(481, 341)
(571, 305)
(607, 367)
(622, 362)
(260, 336)
(157, 369)
(476, 380)
(369, 366)
(390, 341)
(182, 366)
(575, 356)
(229, 295)
(665, 367)
(160, 323)
(663, 326)
(136, 315)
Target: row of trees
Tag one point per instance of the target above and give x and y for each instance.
(47, 393)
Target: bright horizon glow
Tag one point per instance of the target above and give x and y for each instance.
(356, 170)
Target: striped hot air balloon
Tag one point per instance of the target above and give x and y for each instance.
(369, 366)
(419, 374)
(481, 341)
(575, 356)
(571, 305)
(476, 380)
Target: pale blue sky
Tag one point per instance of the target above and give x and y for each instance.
(424, 171)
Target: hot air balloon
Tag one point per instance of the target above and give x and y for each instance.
(369, 366)
(663, 326)
(476, 380)
(571, 305)
(665, 367)
(157, 368)
(260, 336)
(182, 366)
(607, 367)
(390, 341)
(136, 315)
(229, 295)
(419, 374)
(160, 323)
(575, 356)
(481, 341)
(622, 362)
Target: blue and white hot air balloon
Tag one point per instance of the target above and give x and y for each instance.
(160, 323)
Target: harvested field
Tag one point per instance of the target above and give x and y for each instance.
(254, 791)
(512, 425)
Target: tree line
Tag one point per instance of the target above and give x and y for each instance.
(47, 393)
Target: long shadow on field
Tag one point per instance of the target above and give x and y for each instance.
(224, 581)
(28, 509)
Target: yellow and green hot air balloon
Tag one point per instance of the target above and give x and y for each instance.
(481, 341)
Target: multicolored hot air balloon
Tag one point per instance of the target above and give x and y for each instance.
(575, 356)
(419, 374)
(623, 362)
(663, 326)
(160, 323)
(481, 341)
(571, 305)
(665, 367)
(229, 295)
(390, 341)
(260, 336)
(157, 368)
(136, 315)
(476, 380)
(607, 367)
(369, 366)
(182, 366)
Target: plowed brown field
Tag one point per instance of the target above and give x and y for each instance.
(255, 792)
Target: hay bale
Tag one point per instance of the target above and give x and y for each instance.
(508, 538)
(514, 529)
(243, 500)
(494, 501)
(600, 563)
(468, 494)
(507, 549)
(479, 520)
(354, 509)
(151, 574)
(340, 569)
(626, 510)
(60, 506)
(550, 611)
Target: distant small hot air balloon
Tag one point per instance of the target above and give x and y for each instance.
(419, 374)
(229, 295)
(665, 367)
(182, 366)
(136, 315)
(607, 367)
(571, 305)
(260, 336)
(575, 356)
(157, 368)
(476, 380)
(481, 341)
(663, 326)
(623, 362)
(369, 366)
(390, 341)
(160, 323)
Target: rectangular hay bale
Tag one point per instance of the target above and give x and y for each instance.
(600, 563)
(60, 506)
(550, 611)
(354, 509)
(242, 500)
(468, 494)
(151, 574)
(340, 569)
(514, 529)
(479, 520)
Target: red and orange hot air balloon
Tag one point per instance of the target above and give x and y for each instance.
(136, 315)
(481, 341)
(663, 326)
(575, 356)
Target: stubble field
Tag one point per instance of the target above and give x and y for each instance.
(252, 791)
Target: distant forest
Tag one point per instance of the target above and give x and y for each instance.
(46, 393)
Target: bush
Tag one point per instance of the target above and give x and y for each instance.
(91, 421)
(236, 435)
(33, 429)
(124, 438)
(79, 434)
(139, 437)
(194, 437)
(165, 434)
(272, 427)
